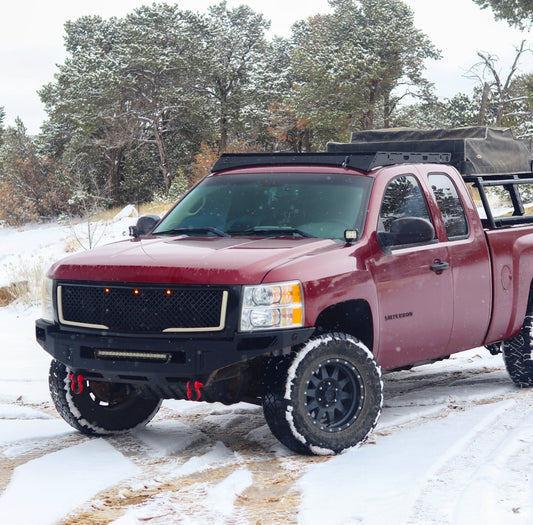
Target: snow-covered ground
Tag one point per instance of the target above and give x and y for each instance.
(453, 445)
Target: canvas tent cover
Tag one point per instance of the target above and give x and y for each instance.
(475, 150)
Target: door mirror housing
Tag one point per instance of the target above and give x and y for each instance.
(144, 226)
(406, 231)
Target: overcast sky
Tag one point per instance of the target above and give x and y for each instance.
(31, 40)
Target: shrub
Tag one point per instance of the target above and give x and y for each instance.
(15, 208)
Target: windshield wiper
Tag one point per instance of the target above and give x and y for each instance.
(193, 230)
(279, 231)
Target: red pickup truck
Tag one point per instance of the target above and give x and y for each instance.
(294, 280)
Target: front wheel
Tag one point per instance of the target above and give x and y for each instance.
(326, 397)
(98, 407)
(517, 355)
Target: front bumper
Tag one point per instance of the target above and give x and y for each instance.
(190, 357)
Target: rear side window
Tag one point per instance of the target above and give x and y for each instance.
(450, 205)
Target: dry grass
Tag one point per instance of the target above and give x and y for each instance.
(26, 278)
(155, 208)
(148, 208)
(71, 245)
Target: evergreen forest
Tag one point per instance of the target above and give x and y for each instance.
(143, 105)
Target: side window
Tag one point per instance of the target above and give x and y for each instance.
(450, 205)
(403, 198)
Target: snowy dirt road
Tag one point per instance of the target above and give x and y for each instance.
(453, 446)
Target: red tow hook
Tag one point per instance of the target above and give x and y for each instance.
(196, 395)
(76, 383)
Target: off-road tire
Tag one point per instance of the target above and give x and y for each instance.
(517, 355)
(101, 408)
(325, 397)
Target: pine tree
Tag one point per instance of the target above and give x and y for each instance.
(124, 84)
(233, 59)
(518, 13)
(354, 66)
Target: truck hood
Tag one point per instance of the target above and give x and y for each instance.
(189, 260)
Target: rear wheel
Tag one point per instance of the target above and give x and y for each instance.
(98, 407)
(325, 398)
(517, 355)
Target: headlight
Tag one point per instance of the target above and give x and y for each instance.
(47, 299)
(272, 306)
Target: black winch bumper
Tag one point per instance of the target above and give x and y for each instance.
(155, 361)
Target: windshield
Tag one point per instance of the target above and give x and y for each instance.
(272, 204)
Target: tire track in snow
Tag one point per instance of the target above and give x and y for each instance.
(420, 470)
(28, 432)
(225, 446)
(56, 483)
(475, 482)
(400, 387)
(494, 492)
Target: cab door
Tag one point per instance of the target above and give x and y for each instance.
(413, 280)
(469, 264)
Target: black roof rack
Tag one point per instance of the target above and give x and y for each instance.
(359, 160)
(478, 150)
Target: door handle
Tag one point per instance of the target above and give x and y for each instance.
(439, 267)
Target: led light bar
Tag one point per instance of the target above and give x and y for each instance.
(124, 354)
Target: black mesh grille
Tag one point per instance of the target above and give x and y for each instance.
(142, 309)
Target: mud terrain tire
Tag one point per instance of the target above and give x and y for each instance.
(517, 355)
(324, 398)
(100, 408)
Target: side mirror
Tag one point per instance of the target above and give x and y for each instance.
(144, 226)
(407, 230)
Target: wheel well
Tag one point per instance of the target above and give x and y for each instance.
(350, 317)
(529, 308)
